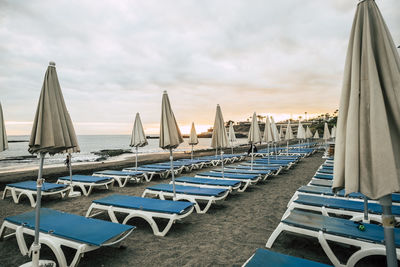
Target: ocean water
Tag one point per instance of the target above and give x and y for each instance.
(16, 155)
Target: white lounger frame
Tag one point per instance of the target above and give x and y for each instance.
(132, 213)
(245, 182)
(54, 242)
(87, 187)
(17, 193)
(366, 248)
(122, 180)
(230, 188)
(191, 198)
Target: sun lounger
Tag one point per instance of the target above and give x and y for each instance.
(275, 169)
(122, 177)
(162, 173)
(86, 182)
(324, 228)
(145, 208)
(177, 169)
(59, 229)
(321, 182)
(208, 183)
(263, 173)
(323, 176)
(354, 210)
(28, 189)
(246, 180)
(268, 258)
(189, 193)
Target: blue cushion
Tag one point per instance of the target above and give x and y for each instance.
(70, 226)
(229, 175)
(205, 181)
(31, 185)
(147, 204)
(86, 178)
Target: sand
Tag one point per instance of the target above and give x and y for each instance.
(226, 235)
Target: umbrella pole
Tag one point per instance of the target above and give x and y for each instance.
(252, 154)
(388, 228)
(136, 159)
(216, 151)
(171, 158)
(287, 147)
(191, 155)
(231, 147)
(365, 209)
(268, 152)
(35, 248)
(222, 163)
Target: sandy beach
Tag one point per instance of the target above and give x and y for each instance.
(225, 236)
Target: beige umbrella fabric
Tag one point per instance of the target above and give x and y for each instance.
(288, 136)
(281, 134)
(308, 133)
(367, 151)
(268, 135)
(170, 135)
(219, 136)
(232, 135)
(275, 132)
(138, 138)
(333, 132)
(316, 134)
(254, 136)
(3, 135)
(327, 134)
(193, 140)
(300, 132)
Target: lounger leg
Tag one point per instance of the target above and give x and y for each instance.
(112, 214)
(56, 248)
(275, 235)
(328, 251)
(83, 189)
(5, 192)
(19, 234)
(244, 187)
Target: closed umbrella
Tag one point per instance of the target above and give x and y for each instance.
(254, 136)
(268, 136)
(281, 134)
(3, 135)
(219, 136)
(316, 135)
(288, 136)
(367, 151)
(333, 132)
(275, 134)
(193, 138)
(52, 133)
(170, 135)
(138, 138)
(308, 133)
(301, 134)
(327, 134)
(232, 135)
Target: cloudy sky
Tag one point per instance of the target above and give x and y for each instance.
(115, 58)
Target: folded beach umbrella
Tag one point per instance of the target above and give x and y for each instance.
(333, 132)
(367, 151)
(316, 135)
(288, 136)
(219, 136)
(193, 138)
(308, 133)
(52, 133)
(232, 135)
(281, 134)
(170, 135)
(138, 138)
(254, 136)
(3, 135)
(268, 135)
(301, 133)
(327, 134)
(275, 135)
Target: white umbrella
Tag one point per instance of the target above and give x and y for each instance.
(170, 135)
(254, 136)
(193, 138)
(288, 136)
(268, 136)
(281, 134)
(232, 135)
(333, 132)
(138, 138)
(301, 133)
(3, 135)
(308, 133)
(52, 133)
(367, 151)
(316, 135)
(327, 134)
(275, 134)
(219, 136)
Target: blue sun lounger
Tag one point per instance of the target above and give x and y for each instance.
(320, 182)
(59, 229)
(323, 176)
(28, 189)
(268, 258)
(325, 171)
(145, 208)
(246, 180)
(208, 183)
(354, 209)
(122, 177)
(150, 172)
(331, 229)
(263, 173)
(87, 182)
(275, 169)
(188, 193)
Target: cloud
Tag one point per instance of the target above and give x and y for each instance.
(114, 58)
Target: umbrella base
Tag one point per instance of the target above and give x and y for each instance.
(42, 263)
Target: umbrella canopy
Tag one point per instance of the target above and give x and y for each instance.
(268, 135)
(232, 135)
(219, 136)
(289, 132)
(52, 130)
(301, 134)
(138, 138)
(275, 133)
(193, 136)
(333, 132)
(3, 135)
(281, 135)
(368, 132)
(316, 135)
(308, 132)
(170, 135)
(254, 132)
(327, 134)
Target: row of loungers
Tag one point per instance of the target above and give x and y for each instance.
(315, 211)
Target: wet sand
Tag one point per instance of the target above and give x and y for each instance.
(226, 235)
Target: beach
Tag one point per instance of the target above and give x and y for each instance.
(226, 235)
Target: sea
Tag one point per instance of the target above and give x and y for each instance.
(17, 155)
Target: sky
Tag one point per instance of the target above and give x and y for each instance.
(115, 58)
